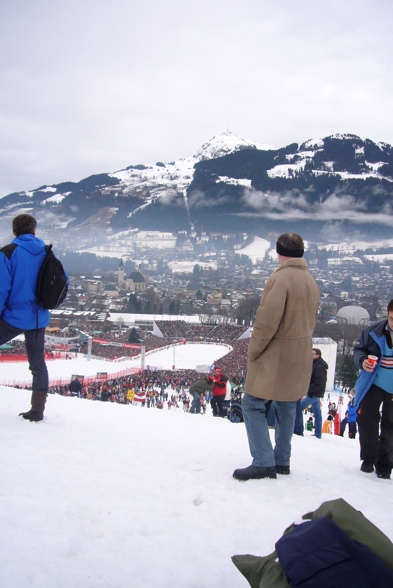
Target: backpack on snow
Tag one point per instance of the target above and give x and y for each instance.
(52, 282)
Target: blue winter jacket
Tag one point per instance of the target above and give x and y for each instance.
(18, 279)
(352, 413)
(370, 342)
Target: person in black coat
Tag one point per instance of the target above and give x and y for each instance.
(75, 388)
(315, 393)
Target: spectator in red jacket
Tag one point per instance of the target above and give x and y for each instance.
(219, 391)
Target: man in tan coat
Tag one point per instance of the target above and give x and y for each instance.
(279, 359)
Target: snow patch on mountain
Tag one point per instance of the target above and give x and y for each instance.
(226, 143)
(234, 182)
(55, 199)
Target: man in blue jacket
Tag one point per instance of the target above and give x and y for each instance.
(374, 388)
(20, 262)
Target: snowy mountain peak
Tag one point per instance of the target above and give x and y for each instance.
(225, 144)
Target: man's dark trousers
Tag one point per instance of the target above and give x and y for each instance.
(374, 447)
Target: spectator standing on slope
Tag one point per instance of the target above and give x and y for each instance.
(219, 392)
(314, 396)
(197, 389)
(349, 419)
(75, 387)
(279, 359)
(20, 263)
(373, 392)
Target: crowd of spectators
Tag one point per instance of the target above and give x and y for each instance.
(151, 389)
(108, 351)
(153, 384)
(14, 347)
(176, 329)
(226, 332)
(182, 330)
(112, 352)
(234, 363)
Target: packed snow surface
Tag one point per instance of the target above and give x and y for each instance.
(106, 495)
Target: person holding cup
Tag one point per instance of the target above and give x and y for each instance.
(373, 355)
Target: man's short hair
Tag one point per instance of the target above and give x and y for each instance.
(24, 224)
(290, 245)
(318, 351)
(390, 306)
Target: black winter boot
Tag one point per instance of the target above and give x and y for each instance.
(36, 413)
(367, 467)
(383, 472)
(255, 473)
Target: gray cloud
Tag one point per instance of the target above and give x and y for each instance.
(168, 197)
(295, 202)
(278, 201)
(197, 200)
(292, 205)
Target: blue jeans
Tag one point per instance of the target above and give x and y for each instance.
(261, 449)
(34, 340)
(196, 403)
(315, 403)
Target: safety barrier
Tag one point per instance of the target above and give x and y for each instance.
(17, 383)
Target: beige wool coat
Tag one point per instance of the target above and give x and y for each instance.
(280, 350)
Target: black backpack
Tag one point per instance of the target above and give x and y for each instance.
(52, 282)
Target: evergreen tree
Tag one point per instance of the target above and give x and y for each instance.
(133, 336)
(348, 371)
(196, 272)
(134, 304)
(247, 309)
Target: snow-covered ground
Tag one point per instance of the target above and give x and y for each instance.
(107, 495)
(256, 250)
(352, 246)
(187, 267)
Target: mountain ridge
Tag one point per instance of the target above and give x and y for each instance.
(229, 184)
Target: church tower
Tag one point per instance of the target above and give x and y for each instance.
(120, 274)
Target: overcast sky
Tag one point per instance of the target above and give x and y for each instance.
(92, 86)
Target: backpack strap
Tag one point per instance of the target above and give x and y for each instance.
(9, 249)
